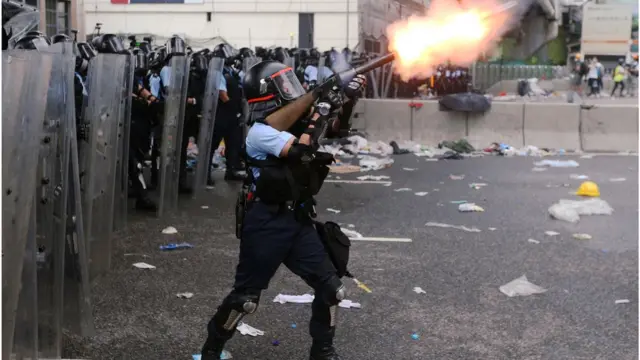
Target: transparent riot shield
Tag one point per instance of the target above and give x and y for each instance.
(207, 124)
(290, 62)
(248, 62)
(173, 122)
(322, 70)
(25, 83)
(121, 195)
(99, 149)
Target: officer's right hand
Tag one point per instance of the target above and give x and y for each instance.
(333, 98)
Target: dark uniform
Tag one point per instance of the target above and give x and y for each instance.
(276, 226)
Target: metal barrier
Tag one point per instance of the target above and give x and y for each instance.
(486, 75)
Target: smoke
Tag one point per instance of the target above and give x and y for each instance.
(340, 63)
(450, 32)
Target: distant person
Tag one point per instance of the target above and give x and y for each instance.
(619, 75)
(593, 78)
(600, 73)
(632, 79)
(580, 70)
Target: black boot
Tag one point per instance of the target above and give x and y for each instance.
(323, 351)
(211, 182)
(212, 349)
(235, 175)
(145, 204)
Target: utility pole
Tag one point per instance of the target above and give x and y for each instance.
(347, 23)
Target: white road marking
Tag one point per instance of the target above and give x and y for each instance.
(382, 239)
(385, 183)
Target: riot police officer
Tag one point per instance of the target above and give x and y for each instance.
(228, 124)
(311, 69)
(285, 173)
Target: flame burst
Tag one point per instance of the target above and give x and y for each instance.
(448, 32)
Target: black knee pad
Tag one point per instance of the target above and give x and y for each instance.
(333, 291)
(234, 308)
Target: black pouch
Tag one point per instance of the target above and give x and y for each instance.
(241, 210)
(337, 245)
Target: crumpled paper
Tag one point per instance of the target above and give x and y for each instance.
(246, 329)
(308, 298)
(521, 287)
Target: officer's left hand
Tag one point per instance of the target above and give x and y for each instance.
(355, 87)
(334, 98)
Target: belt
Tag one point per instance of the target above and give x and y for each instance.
(285, 205)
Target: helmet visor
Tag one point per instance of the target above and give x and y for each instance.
(288, 84)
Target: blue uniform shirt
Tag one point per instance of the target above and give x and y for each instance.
(165, 75)
(154, 85)
(222, 83)
(84, 88)
(310, 74)
(241, 75)
(263, 140)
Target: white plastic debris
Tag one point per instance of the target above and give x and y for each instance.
(351, 225)
(469, 207)
(588, 156)
(204, 207)
(333, 210)
(557, 163)
(570, 210)
(578, 177)
(418, 290)
(458, 227)
(582, 236)
(185, 295)
(617, 179)
(368, 163)
(431, 159)
(246, 329)
(422, 193)
(169, 230)
(348, 304)
(492, 229)
(551, 233)
(533, 241)
(142, 265)
(308, 298)
(351, 234)
(402, 189)
(373, 177)
(521, 287)
(409, 169)
(539, 169)
(622, 301)
(456, 177)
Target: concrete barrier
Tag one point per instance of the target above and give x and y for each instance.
(504, 123)
(358, 116)
(432, 126)
(555, 126)
(387, 119)
(609, 128)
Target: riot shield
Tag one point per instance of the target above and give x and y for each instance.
(290, 62)
(247, 63)
(121, 195)
(99, 150)
(207, 124)
(25, 82)
(173, 122)
(322, 70)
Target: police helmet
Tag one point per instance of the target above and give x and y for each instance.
(280, 54)
(32, 42)
(60, 38)
(199, 62)
(314, 53)
(261, 52)
(141, 61)
(145, 47)
(39, 34)
(245, 52)
(175, 46)
(270, 80)
(156, 59)
(109, 44)
(85, 54)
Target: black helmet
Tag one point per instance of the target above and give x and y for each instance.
(60, 38)
(86, 51)
(271, 80)
(189, 50)
(314, 53)
(145, 47)
(156, 59)
(109, 44)
(199, 62)
(32, 42)
(280, 54)
(141, 61)
(39, 34)
(261, 52)
(224, 51)
(245, 52)
(175, 46)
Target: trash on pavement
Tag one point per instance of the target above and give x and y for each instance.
(293, 325)
(275, 342)
(224, 356)
(185, 295)
(246, 329)
(341, 168)
(539, 169)
(570, 210)
(521, 287)
(533, 241)
(578, 177)
(622, 301)
(588, 156)
(368, 163)
(169, 230)
(582, 236)
(557, 163)
(308, 298)
(477, 186)
(422, 193)
(456, 177)
(588, 188)
(492, 229)
(458, 201)
(460, 146)
(551, 233)
(204, 207)
(418, 290)
(351, 234)
(458, 227)
(169, 247)
(415, 336)
(333, 210)
(409, 169)
(362, 286)
(469, 207)
(402, 189)
(373, 177)
(348, 304)
(397, 150)
(142, 265)
(617, 179)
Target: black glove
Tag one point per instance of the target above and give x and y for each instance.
(334, 98)
(355, 87)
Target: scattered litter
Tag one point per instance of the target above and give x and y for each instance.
(308, 298)
(204, 207)
(492, 229)
(423, 193)
(348, 304)
(469, 207)
(368, 163)
(436, 189)
(578, 177)
(344, 169)
(456, 177)
(570, 210)
(458, 201)
(431, 159)
(622, 301)
(169, 247)
(351, 225)
(477, 186)
(142, 265)
(415, 336)
(551, 233)
(397, 150)
(246, 329)
(588, 156)
(617, 179)
(418, 290)
(460, 146)
(373, 177)
(351, 234)
(275, 342)
(582, 236)
(539, 169)
(387, 185)
(333, 210)
(224, 356)
(521, 287)
(557, 163)
(362, 286)
(185, 295)
(134, 254)
(458, 227)
(169, 230)
(209, 187)
(533, 241)
(293, 325)
(402, 189)
(409, 169)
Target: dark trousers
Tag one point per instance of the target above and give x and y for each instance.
(271, 236)
(191, 127)
(139, 145)
(615, 86)
(227, 127)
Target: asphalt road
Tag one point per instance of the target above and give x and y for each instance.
(463, 315)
